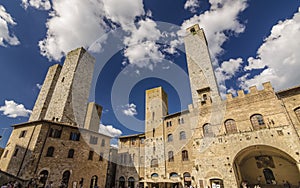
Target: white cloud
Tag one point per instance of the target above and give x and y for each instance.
(279, 55)
(5, 21)
(39, 86)
(38, 4)
(13, 110)
(141, 48)
(130, 110)
(191, 5)
(226, 71)
(124, 12)
(72, 25)
(114, 145)
(109, 130)
(221, 19)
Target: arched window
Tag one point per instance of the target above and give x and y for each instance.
(50, 152)
(230, 126)
(257, 121)
(71, 153)
(131, 182)
(269, 176)
(154, 175)
(170, 137)
(43, 177)
(170, 156)
(185, 155)
(154, 163)
(182, 135)
(207, 130)
(94, 181)
(103, 142)
(65, 178)
(297, 112)
(173, 175)
(121, 182)
(187, 179)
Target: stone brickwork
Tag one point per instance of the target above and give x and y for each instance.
(251, 137)
(61, 142)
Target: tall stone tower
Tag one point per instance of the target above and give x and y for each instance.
(64, 95)
(156, 109)
(202, 78)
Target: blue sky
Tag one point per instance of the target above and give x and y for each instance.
(250, 42)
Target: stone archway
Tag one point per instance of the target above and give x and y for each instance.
(265, 165)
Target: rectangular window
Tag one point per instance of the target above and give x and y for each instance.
(74, 136)
(132, 141)
(16, 152)
(91, 154)
(93, 140)
(22, 134)
(54, 133)
(101, 157)
(5, 154)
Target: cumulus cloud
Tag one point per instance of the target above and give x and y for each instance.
(38, 4)
(72, 25)
(109, 130)
(124, 12)
(6, 37)
(217, 30)
(278, 57)
(191, 5)
(12, 109)
(129, 109)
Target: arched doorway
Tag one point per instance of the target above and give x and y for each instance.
(121, 182)
(43, 177)
(94, 181)
(65, 178)
(265, 165)
(131, 182)
(187, 179)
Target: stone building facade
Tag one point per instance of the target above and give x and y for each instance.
(61, 141)
(252, 137)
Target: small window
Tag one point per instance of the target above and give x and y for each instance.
(54, 133)
(169, 123)
(257, 121)
(193, 31)
(170, 156)
(297, 112)
(185, 156)
(5, 154)
(207, 130)
(153, 132)
(101, 157)
(154, 163)
(182, 135)
(170, 137)
(103, 142)
(142, 140)
(23, 134)
(91, 154)
(74, 136)
(93, 140)
(50, 152)
(133, 141)
(16, 152)
(181, 121)
(230, 126)
(71, 153)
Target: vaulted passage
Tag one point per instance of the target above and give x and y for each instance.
(266, 166)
